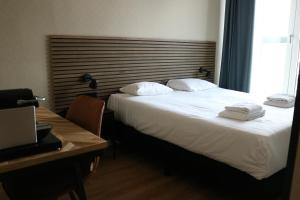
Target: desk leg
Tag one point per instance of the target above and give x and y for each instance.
(80, 191)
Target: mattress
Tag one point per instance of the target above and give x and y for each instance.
(190, 120)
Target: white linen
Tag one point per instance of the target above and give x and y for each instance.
(280, 104)
(190, 84)
(282, 98)
(189, 120)
(245, 108)
(242, 115)
(145, 89)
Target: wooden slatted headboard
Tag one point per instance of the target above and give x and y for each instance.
(115, 62)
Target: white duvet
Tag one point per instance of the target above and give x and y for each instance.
(190, 120)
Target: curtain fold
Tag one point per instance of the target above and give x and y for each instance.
(237, 45)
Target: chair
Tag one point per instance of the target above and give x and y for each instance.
(54, 181)
(87, 112)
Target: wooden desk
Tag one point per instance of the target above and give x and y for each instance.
(76, 141)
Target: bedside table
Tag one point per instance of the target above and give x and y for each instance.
(108, 129)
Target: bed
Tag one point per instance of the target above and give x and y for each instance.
(189, 120)
(115, 62)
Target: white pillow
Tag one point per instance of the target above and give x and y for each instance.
(146, 89)
(190, 84)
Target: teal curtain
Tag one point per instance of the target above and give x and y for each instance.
(237, 45)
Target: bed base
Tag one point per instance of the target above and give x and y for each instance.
(174, 158)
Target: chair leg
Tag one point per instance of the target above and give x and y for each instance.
(80, 191)
(114, 146)
(72, 195)
(7, 191)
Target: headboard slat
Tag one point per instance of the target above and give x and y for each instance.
(115, 62)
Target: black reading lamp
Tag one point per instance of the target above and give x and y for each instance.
(202, 70)
(88, 78)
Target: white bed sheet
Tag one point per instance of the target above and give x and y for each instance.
(189, 120)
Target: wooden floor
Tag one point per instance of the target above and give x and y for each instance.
(136, 176)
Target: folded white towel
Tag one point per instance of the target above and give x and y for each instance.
(280, 104)
(242, 116)
(245, 108)
(281, 98)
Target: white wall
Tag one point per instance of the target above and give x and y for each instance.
(24, 26)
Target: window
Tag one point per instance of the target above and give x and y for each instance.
(275, 47)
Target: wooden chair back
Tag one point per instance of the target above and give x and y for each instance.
(87, 112)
